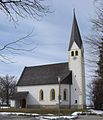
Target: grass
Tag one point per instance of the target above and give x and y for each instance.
(42, 111)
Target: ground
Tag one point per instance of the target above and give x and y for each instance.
(90, 117)
(13, 117)
(81, 117)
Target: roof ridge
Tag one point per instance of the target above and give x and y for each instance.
(47, 64)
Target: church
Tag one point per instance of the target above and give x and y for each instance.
(55, 84)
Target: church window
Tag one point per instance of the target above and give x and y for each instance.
(76, 53)
(75, 101)
(41, 95)
(65, 94)
(52, 94)
(72, 53)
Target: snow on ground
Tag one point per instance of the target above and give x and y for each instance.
(53, 117)
(46, 117)
(97, 112)
(57, 117)
(3, 107)
(76, 113)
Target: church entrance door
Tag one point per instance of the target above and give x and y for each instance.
(23, 103)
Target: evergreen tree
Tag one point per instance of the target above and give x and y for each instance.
(98, 84)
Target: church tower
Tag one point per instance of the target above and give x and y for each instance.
(76, 65)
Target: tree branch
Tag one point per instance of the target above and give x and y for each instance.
(24, 8)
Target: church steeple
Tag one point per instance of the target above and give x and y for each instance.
(76, 65)
(75, 34)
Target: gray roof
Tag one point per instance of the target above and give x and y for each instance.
(75, 34)
(45, 74)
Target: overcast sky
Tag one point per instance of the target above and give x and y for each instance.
(51, 34)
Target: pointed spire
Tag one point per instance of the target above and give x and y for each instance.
(75, 34)
(74, 11)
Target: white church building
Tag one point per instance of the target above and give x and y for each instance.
(49, 85)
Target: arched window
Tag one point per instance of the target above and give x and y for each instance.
(72, 53)
(41, 95)
(75, 101)
(65, 94)
(76, 53)
(52, 94)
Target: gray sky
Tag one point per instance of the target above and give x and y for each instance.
(51, 35)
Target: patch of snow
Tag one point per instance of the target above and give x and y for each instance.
(3, 107)
(57, 117)
(49, 117)
(70, 117)
(97, 112)
(4, 113)
(18, 113)
(76, 113)
(34, 114)
(46, 117)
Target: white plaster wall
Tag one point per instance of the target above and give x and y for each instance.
(65, 102)
(33, 96)
(78, 86)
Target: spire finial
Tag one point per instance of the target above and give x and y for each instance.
(74, 11)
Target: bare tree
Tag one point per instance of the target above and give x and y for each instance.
(20, 9)
(7, 88)
(16, 47)
(24, 8)
(95, 43)
(90, 94)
